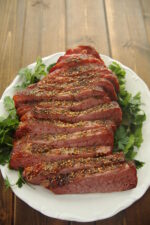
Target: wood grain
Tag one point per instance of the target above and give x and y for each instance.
(27, 216)
(53, 38)
(86, 24)
(129, 44)
(118, 219)
(145, 4)
(11, 36)
(127, 34)
(6, 204)
(138, 213)
(41, 37)
(80, 223)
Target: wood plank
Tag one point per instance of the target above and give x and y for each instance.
(41, 38)
(81, 223)
(129, 44)
(146, 14)
(138, 214)
(53, 28)
(86, 24)
(25, 215)
(6, 204)
(128, 37)
(11, 25)
(11, 39)
(118, 219)
(44, 34)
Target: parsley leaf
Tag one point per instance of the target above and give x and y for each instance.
(121, 138)
(31, 77)
(20, 180)
(7, 183)
(10, 106)
(138, 164)
(128, 136)
(8, 125)
(119, 71)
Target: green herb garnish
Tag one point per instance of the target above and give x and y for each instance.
(7, 183)
(31, 77)
(128, 136)
(8, 125)
(20, 180)
(138, 164)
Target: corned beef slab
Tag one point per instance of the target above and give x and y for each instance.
(116, 177)
(39, 172)
(30, 154)
(65, 139)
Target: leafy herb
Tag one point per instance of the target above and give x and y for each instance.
(50, 66)
(31, 77)
(7, 183)
(20, 180)
(121, 138)
(128, 136)
(10, 107)
(138, 164)
(8, 126)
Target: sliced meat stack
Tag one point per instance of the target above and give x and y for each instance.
(66, 133)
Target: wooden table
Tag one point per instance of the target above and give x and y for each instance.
(32, 28)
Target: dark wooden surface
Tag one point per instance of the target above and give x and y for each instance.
(32, 28)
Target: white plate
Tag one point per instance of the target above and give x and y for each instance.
(87, 207)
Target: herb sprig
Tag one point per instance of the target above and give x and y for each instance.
(7, 183)
(20, 182)
(128, 137)
(8, 125)
(31, 77)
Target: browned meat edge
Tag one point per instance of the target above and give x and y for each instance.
(28, 154)
(102, 112)
(118, 177)
(56, 127)
(70, 105)
(41, 171)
